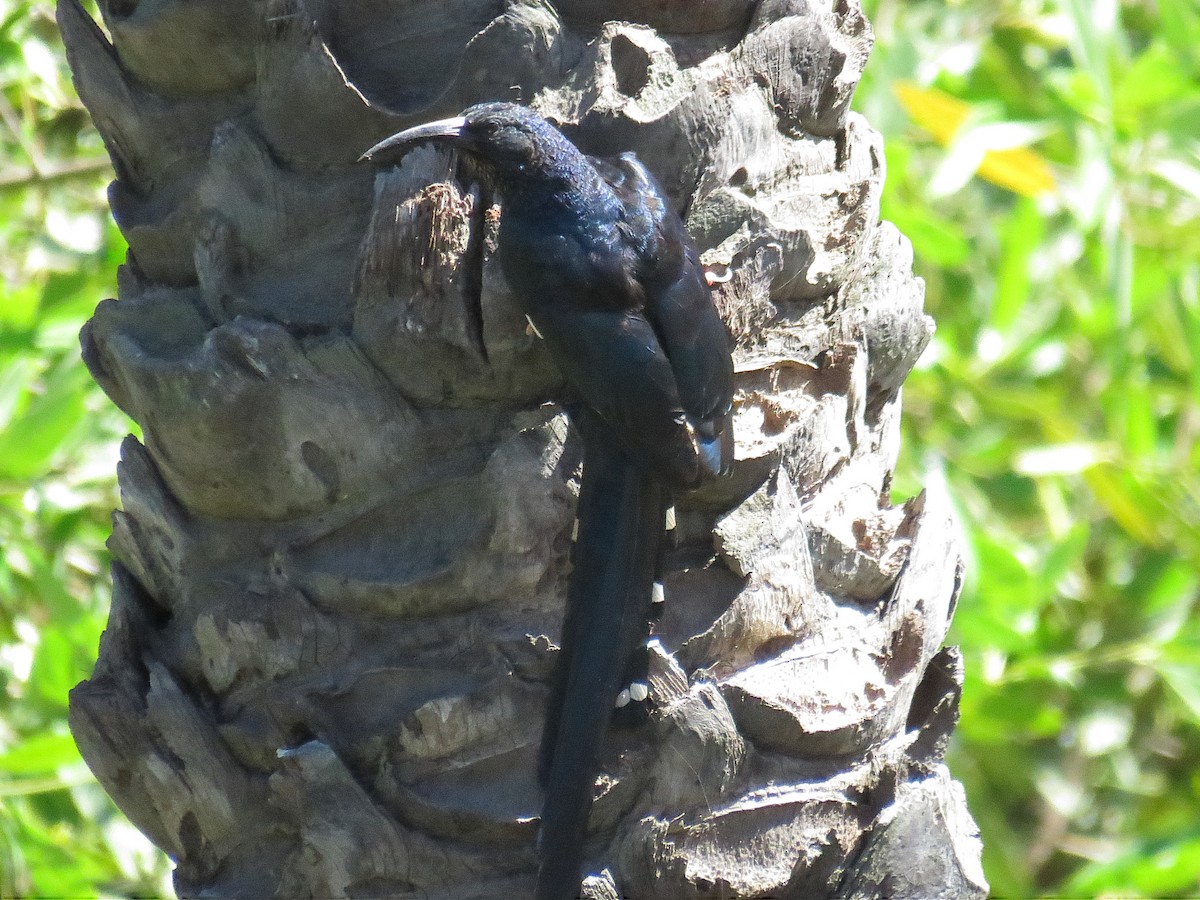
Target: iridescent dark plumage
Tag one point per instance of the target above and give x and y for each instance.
(610, 279)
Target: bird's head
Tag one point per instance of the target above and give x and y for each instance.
(509, 142)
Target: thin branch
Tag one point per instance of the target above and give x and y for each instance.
(23, 178)
(27, 787)
(11, 119)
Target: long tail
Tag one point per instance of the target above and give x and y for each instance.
(616, 551)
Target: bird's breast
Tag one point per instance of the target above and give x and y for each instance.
(566, 262)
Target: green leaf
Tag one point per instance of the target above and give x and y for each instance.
(1021, 234)
(1180, 669)
(54, 671)
(938, 240)
(19, 308)
(40, 754)
(1181, 29)
(53, 412)
(1166, 867)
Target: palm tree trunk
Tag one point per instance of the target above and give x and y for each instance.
(339, 569)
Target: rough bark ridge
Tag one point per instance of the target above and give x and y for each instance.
(339, 567)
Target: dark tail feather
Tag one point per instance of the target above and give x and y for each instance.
(620, 525)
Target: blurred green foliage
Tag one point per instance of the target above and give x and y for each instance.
(1060, 403)
(60, 835)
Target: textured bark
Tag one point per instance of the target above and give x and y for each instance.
(340, 564)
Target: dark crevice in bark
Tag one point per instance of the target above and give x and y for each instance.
(472, 282)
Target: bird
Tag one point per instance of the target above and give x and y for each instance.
(605, 271)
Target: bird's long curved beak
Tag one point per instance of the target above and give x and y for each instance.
(399, 144)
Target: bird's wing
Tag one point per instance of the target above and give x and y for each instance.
(699, 348)
(648, 224)
(679, 306)
(616, 364)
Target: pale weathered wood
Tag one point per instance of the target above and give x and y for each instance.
(340, 562)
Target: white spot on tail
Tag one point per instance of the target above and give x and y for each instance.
(623, 698)
(670, 519)
(658, 595)
(639, 691)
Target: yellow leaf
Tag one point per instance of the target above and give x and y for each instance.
(936, 111)
(1018, 169)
